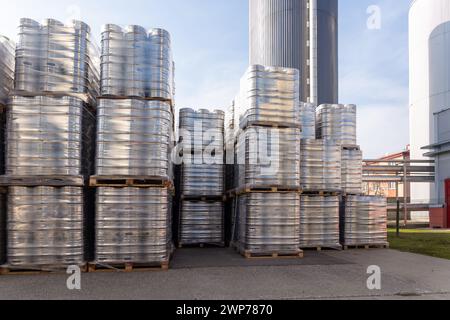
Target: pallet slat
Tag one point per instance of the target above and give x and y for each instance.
(7, 270)
(124, 181)
(48, 181)
(367, 246)
(128, 267)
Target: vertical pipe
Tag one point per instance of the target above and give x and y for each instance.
(313, 96)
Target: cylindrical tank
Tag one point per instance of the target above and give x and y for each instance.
(429, 76)
(327, 51)
(279, 34)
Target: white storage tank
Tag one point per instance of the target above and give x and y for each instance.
(429, 23)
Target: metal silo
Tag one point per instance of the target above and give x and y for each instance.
(300, 34)
(429, 76)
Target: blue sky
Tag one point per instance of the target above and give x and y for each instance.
(210, 41)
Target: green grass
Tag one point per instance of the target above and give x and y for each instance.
(426, 242)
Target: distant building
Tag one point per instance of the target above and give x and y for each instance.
(390, 190)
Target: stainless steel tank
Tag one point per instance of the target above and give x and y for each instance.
(134, 138)
(320, 166)
(269, 223)
(57, 58)
(308, 120)
(268, 95)
(7, 66)
(327, 51)
(268, 157)
(133, 225)
(352, 171)
(45, 226)
(319, 222)
(279, 36)
(201, 222)
(136, 62)
(337, 123)
(364, 221)
(299, 34)
(49, 136)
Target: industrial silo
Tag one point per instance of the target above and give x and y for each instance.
(300, 34)
(429, 22)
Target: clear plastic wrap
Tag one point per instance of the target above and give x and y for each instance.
(319, 222)
(268, 95)
(352, 171)
(7, 66)
(364, 221)
(133, 225)
(134, 137)
(320, 166)
(49, 136)
(55, 58)
(45, 226)
(137, 63)
(268, 157)
(337, 122)
(202, 222)
(269, 223)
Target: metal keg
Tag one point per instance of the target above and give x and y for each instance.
(269, 94)
(320, 165)
(269, 157)
(337, 122)
(201, 222)
(269, 222)
(365, 221)
(319, 222)
(7, 66)
(352, 170)
(49, 136)
(53, 57)
(134, 138)
(45, 226)
(308, 120)
(137, 63)
(133, 225)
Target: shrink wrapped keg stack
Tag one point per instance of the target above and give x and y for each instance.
(134, 175)
(50, 126)
(7, 63)
(201, 212)
(309, 150)
(363, 221)
(267, 126)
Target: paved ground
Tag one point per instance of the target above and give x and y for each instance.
(221, 274)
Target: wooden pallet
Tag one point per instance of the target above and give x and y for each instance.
(6, 270)
(201, 245)
(203, 198)
(270, 124)
(265, 189)
(116, 97)
(125, 181)
(272, 255)
(321, 193)
(47, 181)
(85, 97)
(351, 147)
(321, 248)
(128, 267)
(367, 246)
